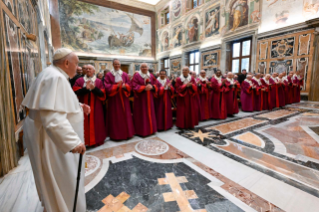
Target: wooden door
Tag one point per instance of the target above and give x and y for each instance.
(125, 68)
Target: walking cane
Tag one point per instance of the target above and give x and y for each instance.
(77, 183)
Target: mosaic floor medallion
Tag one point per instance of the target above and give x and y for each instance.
(92, 163)
(151, 147)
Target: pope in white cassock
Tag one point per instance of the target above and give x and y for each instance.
(53, 133)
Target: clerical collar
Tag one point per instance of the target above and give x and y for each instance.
(202, 79)
(93, 78)
(162, 81)
(144, 76)
(183, 79)
(257, 80)
(119, 72)
(249, 81)
(219, 79)
(230, 80)
(266, 81)
(62, 72)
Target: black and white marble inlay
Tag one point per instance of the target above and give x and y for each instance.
(139, 179)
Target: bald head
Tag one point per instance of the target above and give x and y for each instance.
(90, 71)
(203, 73)
(185, 71)
(230, 75)
(68, 64)
(267, 76)
(257, 75)
(144, 68)
(249, 76)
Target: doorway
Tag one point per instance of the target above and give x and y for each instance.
(125, 68)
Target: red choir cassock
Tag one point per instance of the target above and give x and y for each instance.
(286, 89)
(232, 87)
(204, 91)
(274, 98)
(290, 90)
(247, 96)
(218, 103)
(197, 96)
(186, 114)
(258, 94)
(298, 83)
(95, 127)
(266, 94)
(144, 110)
(281, 92)
(163, 104)
(119, 116)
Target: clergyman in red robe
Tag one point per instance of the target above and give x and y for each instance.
(266, 92)
(119, 117)
(290, 87)
(218, 103)
(297, 81)
(232, 87)
(90, 91)
(163, 104)
(204, 91)
(186, 114)
(258, 92)
(281, 90)
(193, 74)
(274, 98)
(144, 87)
(247, 94)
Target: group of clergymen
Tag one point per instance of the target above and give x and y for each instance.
(197, 99)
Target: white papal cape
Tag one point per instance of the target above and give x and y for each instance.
(53, 128)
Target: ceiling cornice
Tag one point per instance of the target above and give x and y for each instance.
(135, 3)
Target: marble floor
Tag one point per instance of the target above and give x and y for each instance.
(261, 161)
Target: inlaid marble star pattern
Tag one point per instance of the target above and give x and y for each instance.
(201, 135)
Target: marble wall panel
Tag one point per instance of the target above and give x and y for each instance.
(304, 44)
(11, 4)
(176, 66)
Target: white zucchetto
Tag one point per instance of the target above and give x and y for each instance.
(60, 53)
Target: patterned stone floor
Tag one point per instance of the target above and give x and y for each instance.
(262, 161)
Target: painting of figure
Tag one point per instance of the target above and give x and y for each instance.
(177, 36)
(311, 9)
(212, 22)
(210, 59)
(192, 28)
(165, 41)
(96, 29)
(176, 66)
(24, 10)
(238, 14)
(176, 8)
(12, 49)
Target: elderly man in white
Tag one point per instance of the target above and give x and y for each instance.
(53, 133)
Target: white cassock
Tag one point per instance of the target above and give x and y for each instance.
(52, 129)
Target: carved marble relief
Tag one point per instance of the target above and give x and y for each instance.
(281, 66)
(262, 67)
(302, 66)
(263, 49)
(304, 44)
(25, 15)
(282, 48)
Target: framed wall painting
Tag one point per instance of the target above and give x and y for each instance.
(14, 62)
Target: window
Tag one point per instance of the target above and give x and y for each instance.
(241, 55)
(166, 65)
(166, 17)
(195, 3)
(193, 61)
